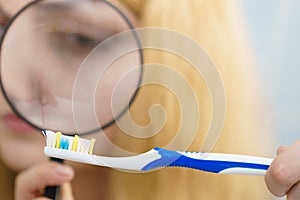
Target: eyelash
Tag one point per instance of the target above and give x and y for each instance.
(75, 42)
(80, 40)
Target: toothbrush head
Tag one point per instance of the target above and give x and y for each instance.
(60, 141)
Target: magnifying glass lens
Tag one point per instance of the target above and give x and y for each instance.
(70, 66)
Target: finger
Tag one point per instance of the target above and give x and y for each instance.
(32, 182)
(284, 171)
(294, 193)
(281, 149)
(66, 192)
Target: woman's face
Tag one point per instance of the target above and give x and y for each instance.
(41, 54)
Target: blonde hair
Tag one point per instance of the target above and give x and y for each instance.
(215, 25)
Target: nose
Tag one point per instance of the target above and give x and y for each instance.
(43, 94)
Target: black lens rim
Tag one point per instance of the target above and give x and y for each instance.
(111, 122)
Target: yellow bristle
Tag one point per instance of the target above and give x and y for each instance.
(57, 142)
(75, 143)
(92, 145)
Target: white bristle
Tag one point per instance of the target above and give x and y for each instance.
(51, 138)
(78, 146)
(85, 145)
(70, 143)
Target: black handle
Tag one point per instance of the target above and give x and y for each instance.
(53, 191)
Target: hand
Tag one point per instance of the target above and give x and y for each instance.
(31, 183)
(283, 175)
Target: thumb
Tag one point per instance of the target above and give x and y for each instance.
(32, 182)
(281, 149)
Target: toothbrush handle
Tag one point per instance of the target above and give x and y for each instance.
(53, 191)
(211, 162)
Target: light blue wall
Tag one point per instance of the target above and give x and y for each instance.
(274, 27)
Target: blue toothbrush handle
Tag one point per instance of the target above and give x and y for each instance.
(215, 163)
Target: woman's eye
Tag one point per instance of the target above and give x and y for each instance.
(74, 43)
(78, 40)
(82, 40)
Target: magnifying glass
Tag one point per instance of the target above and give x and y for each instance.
(65, 66)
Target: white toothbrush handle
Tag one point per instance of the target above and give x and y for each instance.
(134, 163)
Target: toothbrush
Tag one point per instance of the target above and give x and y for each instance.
(80, 150)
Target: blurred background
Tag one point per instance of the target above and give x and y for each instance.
(274, 30)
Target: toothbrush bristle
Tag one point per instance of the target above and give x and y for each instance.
(75, 143)
(60, 141)
(57, 143)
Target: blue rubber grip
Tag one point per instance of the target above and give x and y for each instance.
(174, 159)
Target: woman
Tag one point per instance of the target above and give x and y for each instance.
(216, 26)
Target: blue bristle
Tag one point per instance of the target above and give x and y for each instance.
(64, 143)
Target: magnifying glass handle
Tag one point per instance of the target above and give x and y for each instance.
(52, 192)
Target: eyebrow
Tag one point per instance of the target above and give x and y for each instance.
(93, 14)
